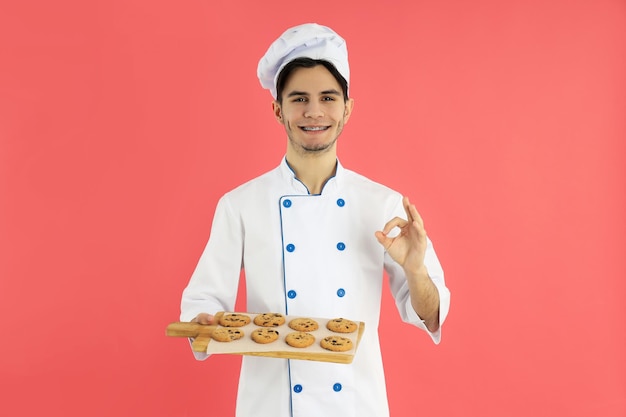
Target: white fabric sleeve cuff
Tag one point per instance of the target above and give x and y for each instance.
(200, 356)
(416, 320)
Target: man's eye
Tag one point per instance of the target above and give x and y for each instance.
(328, 99)
(299, 100)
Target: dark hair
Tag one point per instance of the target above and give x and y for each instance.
(308, 63)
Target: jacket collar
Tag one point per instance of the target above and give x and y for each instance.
(289, 176)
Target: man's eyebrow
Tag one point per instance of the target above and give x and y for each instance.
(323, 93)
(297, 93)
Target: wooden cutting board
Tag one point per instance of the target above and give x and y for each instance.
(202, 342)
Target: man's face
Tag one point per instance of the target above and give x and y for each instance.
(313, 110)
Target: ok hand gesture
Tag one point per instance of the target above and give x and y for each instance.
(409, 246)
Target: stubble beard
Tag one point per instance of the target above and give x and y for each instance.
(316, 149)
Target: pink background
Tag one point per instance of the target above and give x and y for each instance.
(123, 121)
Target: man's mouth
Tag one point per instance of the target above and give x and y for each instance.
(314, 128)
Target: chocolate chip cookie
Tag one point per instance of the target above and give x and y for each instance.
(300, 339)
(341, 325)
(265, 335)
(269, 320)
(336, 343)
(225, 334)
(303, 324)
(234, 320)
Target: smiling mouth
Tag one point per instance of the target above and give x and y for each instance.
(314, 128)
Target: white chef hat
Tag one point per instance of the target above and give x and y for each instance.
(309, 40)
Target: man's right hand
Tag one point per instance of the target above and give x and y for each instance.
(203, 318)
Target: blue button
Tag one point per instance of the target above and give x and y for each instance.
(337, 387)
(341, 292)
(287, 203)
(297, 388)
(291, 294)
(291, 247)
(340, 246)
(341, 202)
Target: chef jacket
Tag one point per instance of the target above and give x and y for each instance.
(312, 256)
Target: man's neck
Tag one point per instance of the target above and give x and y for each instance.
(313, 170)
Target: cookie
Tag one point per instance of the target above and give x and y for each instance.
(269, 320)
(300, 339)
(341, 325)
(265, 335)
(303, 324)
(234, 320)
(225, 334)
(336, 343)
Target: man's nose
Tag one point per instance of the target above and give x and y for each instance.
(314, 110)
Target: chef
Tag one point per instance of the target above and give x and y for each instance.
(314, 240)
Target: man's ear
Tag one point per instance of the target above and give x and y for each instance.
(348, 110)
(278, 111)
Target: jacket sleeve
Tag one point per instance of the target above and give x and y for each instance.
(400, 289)
(215, 280)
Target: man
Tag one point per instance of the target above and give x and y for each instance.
(308, 235)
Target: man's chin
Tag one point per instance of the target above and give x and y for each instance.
(318, 148)
(314, 149)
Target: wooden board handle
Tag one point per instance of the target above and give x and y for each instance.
(200, 333)
(183, 329)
